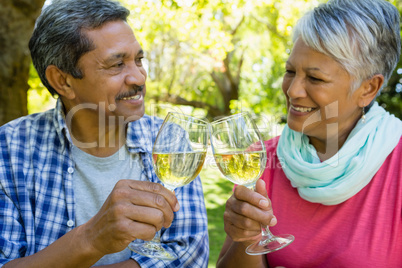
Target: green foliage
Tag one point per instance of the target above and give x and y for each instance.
(391, 97)
(39, 98)
(216, 191)
(185, 41)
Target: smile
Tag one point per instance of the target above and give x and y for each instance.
(136, 97)
(302, 109)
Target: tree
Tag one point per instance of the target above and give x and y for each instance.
(211, 57)
(391, 97)
(17, 19)
(220, 56)
(223, 56)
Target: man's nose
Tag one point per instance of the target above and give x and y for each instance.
(135, 76)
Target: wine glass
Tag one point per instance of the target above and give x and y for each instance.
(240, 155)
(178, 155)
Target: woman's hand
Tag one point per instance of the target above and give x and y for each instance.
(245, 211)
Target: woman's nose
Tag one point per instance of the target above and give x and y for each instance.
(296, 88)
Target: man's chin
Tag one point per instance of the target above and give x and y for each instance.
(136, 116)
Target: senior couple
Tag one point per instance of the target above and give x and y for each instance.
(338, 190)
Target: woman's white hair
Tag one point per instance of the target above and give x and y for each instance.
(362, 35)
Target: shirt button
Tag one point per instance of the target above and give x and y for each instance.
(70, 170)
(70, 223)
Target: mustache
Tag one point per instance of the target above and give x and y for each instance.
(132, 92)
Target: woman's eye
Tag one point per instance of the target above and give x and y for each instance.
(315, 79)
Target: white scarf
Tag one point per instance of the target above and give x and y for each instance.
(337, 179)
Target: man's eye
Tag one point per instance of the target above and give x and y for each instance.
(138, 61)
(118, 65)
(290, 72)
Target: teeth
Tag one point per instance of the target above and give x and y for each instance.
(302, 109)
(136, 97)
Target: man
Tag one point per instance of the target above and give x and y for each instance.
(76, 183)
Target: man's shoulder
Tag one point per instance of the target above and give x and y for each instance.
(143, 131)
(152, 119)
(151, 123)
(33, 124)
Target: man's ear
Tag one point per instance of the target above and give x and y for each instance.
(370, 89)
(59, 81)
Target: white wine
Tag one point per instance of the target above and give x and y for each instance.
(242, 168)
(178, 169)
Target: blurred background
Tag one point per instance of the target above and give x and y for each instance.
(207, 58)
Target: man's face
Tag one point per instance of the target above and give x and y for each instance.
(114, 77)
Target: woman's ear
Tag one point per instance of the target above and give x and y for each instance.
(370, 89)
(59, 81)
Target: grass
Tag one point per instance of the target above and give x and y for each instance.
(216, 191)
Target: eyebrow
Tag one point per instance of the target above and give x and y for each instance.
(122, 55)
(309, 68)
(314, 69)
(317, 69)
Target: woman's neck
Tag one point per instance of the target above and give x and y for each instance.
(330, 145)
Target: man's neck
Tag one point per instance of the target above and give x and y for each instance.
(97, 139)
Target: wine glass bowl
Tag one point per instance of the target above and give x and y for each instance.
(238, 149)
(241, 167)
(178, 169)
(178, 155)
(240, 155)
(180, 149)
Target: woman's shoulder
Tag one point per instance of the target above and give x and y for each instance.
(272, 158)
(399, 145)
(396, 154)
(271, 144)
(391, 168)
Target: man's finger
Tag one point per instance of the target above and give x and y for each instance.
(155, 188)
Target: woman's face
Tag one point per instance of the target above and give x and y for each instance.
(317, 90)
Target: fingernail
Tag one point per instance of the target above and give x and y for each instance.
(263, 203)
(273, 222)
(177, 207)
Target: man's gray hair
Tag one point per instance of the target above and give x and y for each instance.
(362, 35)
(59, 38)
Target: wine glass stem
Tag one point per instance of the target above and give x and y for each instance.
(267, 236)
(157, 237)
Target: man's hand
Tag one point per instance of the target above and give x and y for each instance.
(134, 209)
(245, 211)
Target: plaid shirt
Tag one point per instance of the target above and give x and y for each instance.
(37, 194)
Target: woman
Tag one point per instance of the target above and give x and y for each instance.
(334, 176)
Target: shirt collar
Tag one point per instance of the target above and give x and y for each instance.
(140, 133)
(60, 125)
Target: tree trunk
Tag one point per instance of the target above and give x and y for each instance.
(17, 20)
